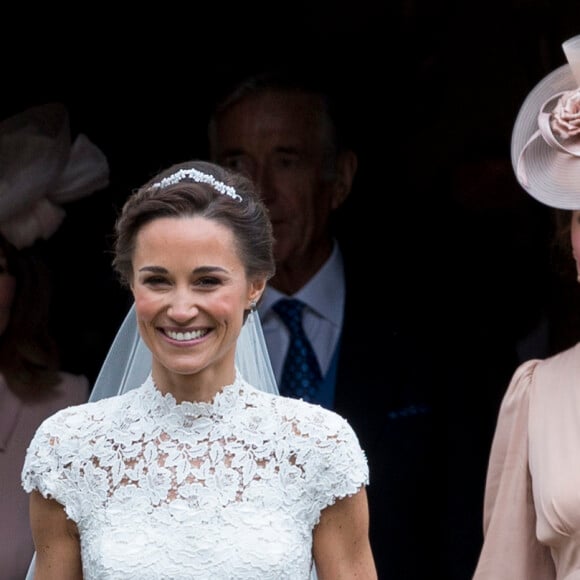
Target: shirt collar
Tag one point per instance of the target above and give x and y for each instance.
(323, 293)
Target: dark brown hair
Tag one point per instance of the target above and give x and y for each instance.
(243, 213)
(28, 354)
(561, 244)
(334, 134)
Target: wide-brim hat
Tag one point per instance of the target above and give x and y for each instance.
(547, 166)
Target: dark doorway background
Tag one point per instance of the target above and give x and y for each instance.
(140, 85)
(433, 88)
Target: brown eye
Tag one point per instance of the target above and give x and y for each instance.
(208, 281)
(154, 280)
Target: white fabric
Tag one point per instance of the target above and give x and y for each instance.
(243, 479)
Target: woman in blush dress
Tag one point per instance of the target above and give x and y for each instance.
(532, 498)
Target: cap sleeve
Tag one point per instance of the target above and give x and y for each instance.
(342, 468)
(48, 465)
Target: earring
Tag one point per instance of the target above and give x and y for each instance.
(253, 305)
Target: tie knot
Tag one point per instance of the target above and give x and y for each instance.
(290, 311)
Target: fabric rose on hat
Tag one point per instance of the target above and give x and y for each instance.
(565, 118)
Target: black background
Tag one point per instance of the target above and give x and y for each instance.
(432, 89)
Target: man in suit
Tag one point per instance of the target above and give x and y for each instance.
(285, 133)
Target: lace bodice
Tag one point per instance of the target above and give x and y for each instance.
(220, 490)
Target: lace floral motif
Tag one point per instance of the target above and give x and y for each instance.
(220, 490)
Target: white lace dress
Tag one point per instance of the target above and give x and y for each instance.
(230, 489)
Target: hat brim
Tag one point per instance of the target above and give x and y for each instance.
(553, 177)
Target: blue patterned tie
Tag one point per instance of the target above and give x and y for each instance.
(301, 374)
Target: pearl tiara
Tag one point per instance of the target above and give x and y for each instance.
(199, 177)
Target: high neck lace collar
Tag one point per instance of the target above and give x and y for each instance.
(230, 397)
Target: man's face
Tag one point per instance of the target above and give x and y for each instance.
(276, 139)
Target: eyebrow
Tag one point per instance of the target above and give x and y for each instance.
(232, 152)
(200, 270)
(239, 152)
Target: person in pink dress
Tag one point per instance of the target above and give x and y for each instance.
(40, 168)
(532, 494)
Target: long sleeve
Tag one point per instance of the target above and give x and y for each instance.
(511, 549)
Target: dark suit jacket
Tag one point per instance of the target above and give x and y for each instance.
(385, 388)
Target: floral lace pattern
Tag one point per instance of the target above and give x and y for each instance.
(227, 489)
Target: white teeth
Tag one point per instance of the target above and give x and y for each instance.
(186, 335)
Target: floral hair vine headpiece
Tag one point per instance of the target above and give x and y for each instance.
(199, 177)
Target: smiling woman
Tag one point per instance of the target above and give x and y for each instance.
(197, 473)
(190, 312)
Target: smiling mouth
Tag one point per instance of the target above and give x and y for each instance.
(185, 336)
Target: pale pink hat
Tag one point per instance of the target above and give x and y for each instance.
(41, 168)
(545, 147)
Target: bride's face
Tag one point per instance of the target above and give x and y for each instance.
(191, 291)
(7, 291)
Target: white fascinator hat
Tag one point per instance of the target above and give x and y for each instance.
(545, 146)
(41, 168)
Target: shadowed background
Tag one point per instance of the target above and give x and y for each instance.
(432, 89)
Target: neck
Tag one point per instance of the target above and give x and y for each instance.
(294, 273)
(200, 386)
